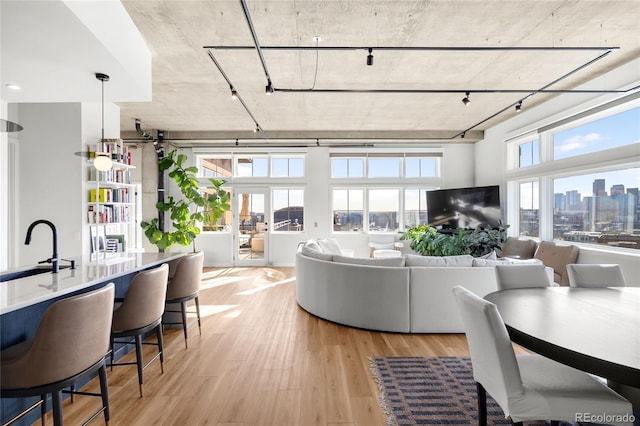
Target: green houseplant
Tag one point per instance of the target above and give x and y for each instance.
(193, 208)
(427, 241)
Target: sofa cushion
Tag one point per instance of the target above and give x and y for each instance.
(385, 261)
(557, 257)
(505, 261)
(417, 260)
(462, 260)
(316, 254)
(330, 245)
(521, 248)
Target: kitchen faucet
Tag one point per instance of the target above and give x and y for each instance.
(54, 257)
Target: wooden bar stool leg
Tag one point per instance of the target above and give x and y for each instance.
(160, 344)
(183, 309)
(198, 313)
(104, 390)
(139, 360)
(57, 407)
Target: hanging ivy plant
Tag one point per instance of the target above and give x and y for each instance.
(187, 213)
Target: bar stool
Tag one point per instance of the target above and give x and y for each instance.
(141, 312)
(183, 287)
(70, 345)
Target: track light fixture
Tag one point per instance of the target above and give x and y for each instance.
(234, 92)
(370, 57)
(268, 89)
(257, 129)
(463, 135)
(466, 101)
(519, 106)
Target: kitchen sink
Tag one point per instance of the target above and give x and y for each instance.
(8, 276)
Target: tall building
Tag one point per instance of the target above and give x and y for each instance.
(598, 188)
(617, 190)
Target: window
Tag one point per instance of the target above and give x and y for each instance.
(252, 166)
(384, 209)
(529, 209)
(416, 167)
(599, 208)
(216, 167)
(288, 210)
(606, 133)
(347, 167)
(589, 183)
(415, 208)
(529, 153)
(287, 167)
(222, 224)
(348, 209)
(383, 167)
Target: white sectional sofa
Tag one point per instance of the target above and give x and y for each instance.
(378, 294)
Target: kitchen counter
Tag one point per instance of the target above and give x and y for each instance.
(23, 292)
(23, 302)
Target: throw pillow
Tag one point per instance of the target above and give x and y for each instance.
(385, 261)
(490, 256)
(330, 245)
(316, 254)
(313, 244)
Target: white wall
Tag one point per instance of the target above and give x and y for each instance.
(49, 180)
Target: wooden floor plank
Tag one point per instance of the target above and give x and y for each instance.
(261, 360)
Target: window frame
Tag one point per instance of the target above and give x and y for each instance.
(549, 169)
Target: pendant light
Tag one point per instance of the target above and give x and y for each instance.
(103, 160)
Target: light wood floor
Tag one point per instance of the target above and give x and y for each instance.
(261, 360)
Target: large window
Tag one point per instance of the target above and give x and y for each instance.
(384, 209)
(529, 153)
(589, 179)
(403, 166)
(348, 209)
(415, 208)
(600, 208)
(288, 210)
(254, 166)
(599, 135)
(287, 166)
(347, 167)
(529, 209)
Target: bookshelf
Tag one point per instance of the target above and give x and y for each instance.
(113, 207)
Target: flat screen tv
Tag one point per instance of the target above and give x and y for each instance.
(468, 208)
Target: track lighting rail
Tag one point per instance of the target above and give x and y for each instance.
(235, 93)
(423, 48)
(405, 91)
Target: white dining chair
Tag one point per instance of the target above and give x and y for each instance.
(595, 275)
(527, 387)
(522, 276)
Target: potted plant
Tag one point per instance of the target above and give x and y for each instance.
(427, 241)
(480, 242)
(193, 208)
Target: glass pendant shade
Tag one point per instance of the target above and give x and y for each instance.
(102, 162)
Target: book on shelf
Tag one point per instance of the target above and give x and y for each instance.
(105, 195)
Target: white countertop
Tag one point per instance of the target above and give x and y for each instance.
(23, 292)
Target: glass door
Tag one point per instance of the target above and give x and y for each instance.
(251, 227)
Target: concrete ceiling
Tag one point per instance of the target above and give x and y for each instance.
(191, 99)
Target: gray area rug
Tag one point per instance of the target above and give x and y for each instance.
(431, 391)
